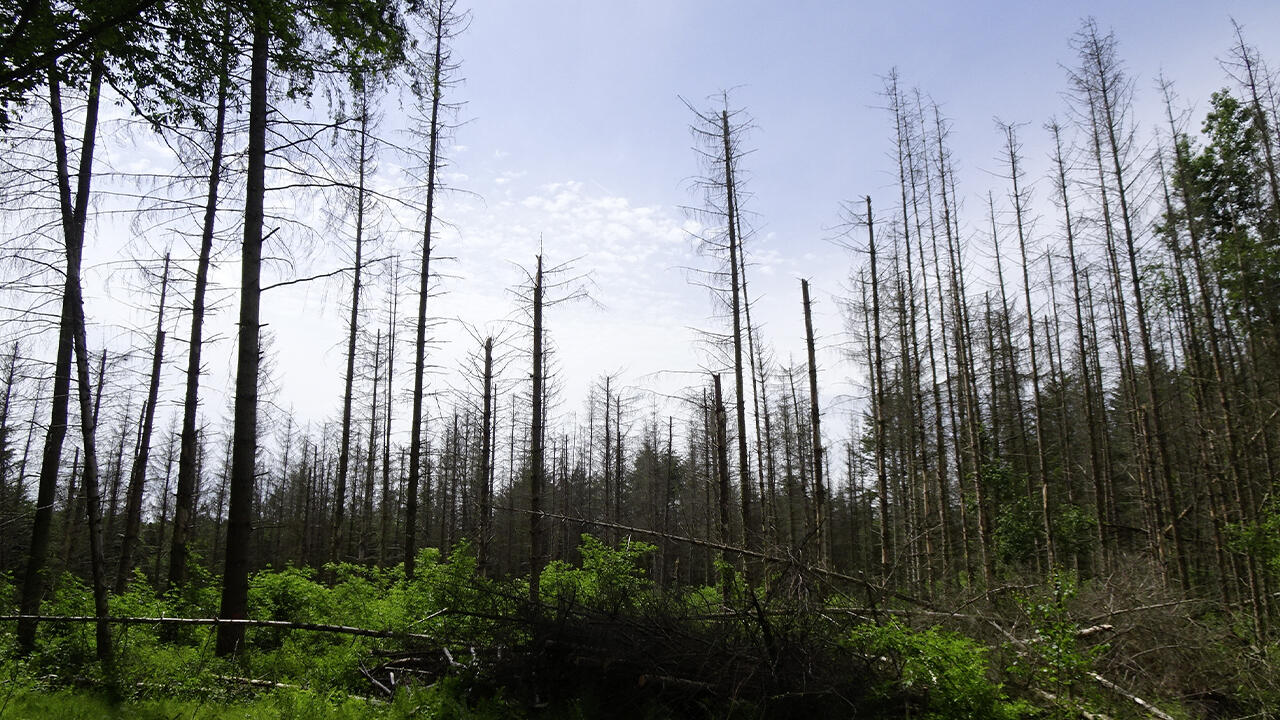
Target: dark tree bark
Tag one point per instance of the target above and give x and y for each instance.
(439, 23)
(820, 518)
(878, 400)
(388, 507)
(536, 470)
(750, 537)
(486, 480)
(1011, 145)
(722, 477)
(138, 473)
(353, 330)
(235, 582)
(184, 502)
(1092, 419)
(73, 223)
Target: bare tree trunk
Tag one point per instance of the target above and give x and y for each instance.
(184, 502)
(71, 338)
(419, 347)
(750, 536)
(1102, 75)
(486, 441)
(366, 520)
(74, 221)
(1106, 539)
(941, 474)
(353, 329)
(170, 455)
(388, 507)
(722, 475)
(138, 474)
(1037, 405)
(34, 584)
(235, 582)
(819, 490)
(878, 401)
(536, 481)
(970, 407)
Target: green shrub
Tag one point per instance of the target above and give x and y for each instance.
(610, 580)
(1054, 659)
(944, 673)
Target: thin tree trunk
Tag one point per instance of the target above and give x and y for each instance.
(74, 221)
(819, 490)
(486, 441)
(138, 474)
(878, 400)
(536, 481)
(34, 581)
(388, 507)
(1037, 404)
(184, 503)
(722, 475)
(750, 536)
(424, 276)
(353, 329)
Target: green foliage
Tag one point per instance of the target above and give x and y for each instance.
(443, 700)
(1224, 180)
(1260, 539)
(1016, 528)
(1074, 529)
(945, 673)
(201, 595)
(8, 593)
(1054, 659)
(611, 580)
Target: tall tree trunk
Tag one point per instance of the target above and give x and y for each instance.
(424, 277)
(536, 480)
(184, 502)
(6, 449)
(161, 524)
(366, 519)
(722, 477)
(486, 441)
(820, 518)
(74, 221)
(878, 401)
(1106, 538)
(1036, 401)
(73, 225)
(235, 582)
(353, 330)
(750, 535)
(138, 474)
(388, 507)
(1103, 70)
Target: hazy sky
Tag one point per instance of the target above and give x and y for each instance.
(575, 135)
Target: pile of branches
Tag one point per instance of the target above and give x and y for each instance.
(657, 658)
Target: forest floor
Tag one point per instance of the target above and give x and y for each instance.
(605, 642)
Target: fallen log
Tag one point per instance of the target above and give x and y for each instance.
(282, 624)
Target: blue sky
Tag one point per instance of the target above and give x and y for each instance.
(586, 95)
(574, 135)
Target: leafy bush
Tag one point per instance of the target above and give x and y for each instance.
(610, 580)
(945, 673)
(1054, 659)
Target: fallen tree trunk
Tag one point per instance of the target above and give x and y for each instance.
(284, 624)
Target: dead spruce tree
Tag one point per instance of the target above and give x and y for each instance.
(443, 21)
(719, 135)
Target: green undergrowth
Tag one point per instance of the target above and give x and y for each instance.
(734, 650)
